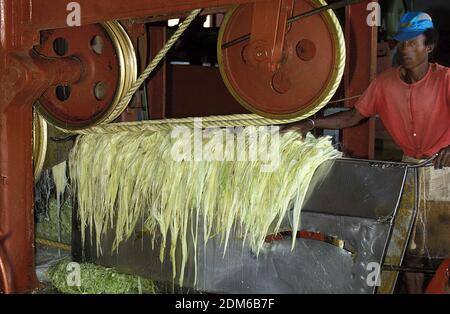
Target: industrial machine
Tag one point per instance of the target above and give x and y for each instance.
(279, 59)
(356, 218)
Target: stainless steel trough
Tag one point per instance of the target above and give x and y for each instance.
(354, 202)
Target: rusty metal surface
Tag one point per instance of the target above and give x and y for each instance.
(107, 62)
(440, 284)
(21, 82)
(6, 276)
(16, 187)
(53, 13)
(197, 91)
(157, 86)
(361, 40)
(268, 33)
(81, 106)
(24, 77)
(332, 6)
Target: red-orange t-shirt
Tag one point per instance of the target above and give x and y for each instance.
(416, 115)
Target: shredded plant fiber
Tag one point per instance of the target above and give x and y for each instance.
(126, 178)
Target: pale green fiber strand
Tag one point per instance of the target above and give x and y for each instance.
(126, 178)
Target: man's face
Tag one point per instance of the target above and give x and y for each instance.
(413, 52)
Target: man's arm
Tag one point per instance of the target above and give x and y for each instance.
(339, 120)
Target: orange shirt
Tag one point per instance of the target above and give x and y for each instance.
(416, 115)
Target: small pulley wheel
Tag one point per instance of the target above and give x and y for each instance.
(109, 68)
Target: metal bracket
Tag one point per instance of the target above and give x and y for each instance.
(268, 32)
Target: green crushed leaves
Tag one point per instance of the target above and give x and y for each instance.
(98, 280)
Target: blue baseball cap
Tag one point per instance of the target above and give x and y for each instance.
(412, 24)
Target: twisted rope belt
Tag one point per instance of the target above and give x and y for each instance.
(53, 244)
(210, 121)
(154, 63)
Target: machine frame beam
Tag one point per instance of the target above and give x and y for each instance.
(22, 81)
(361, 40)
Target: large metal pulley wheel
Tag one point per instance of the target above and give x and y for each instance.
(310, 71)
(109, 68)
(39, 144)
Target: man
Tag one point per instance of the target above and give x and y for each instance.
(413, 101)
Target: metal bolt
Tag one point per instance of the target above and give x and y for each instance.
(306, 50)
(12, 75)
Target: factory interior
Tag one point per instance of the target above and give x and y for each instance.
(182, 147)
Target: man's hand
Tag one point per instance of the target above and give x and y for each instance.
(443, 158)
(302, 127)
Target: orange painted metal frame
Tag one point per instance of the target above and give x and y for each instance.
(440, 284)
(361, 40)
(23, 79)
